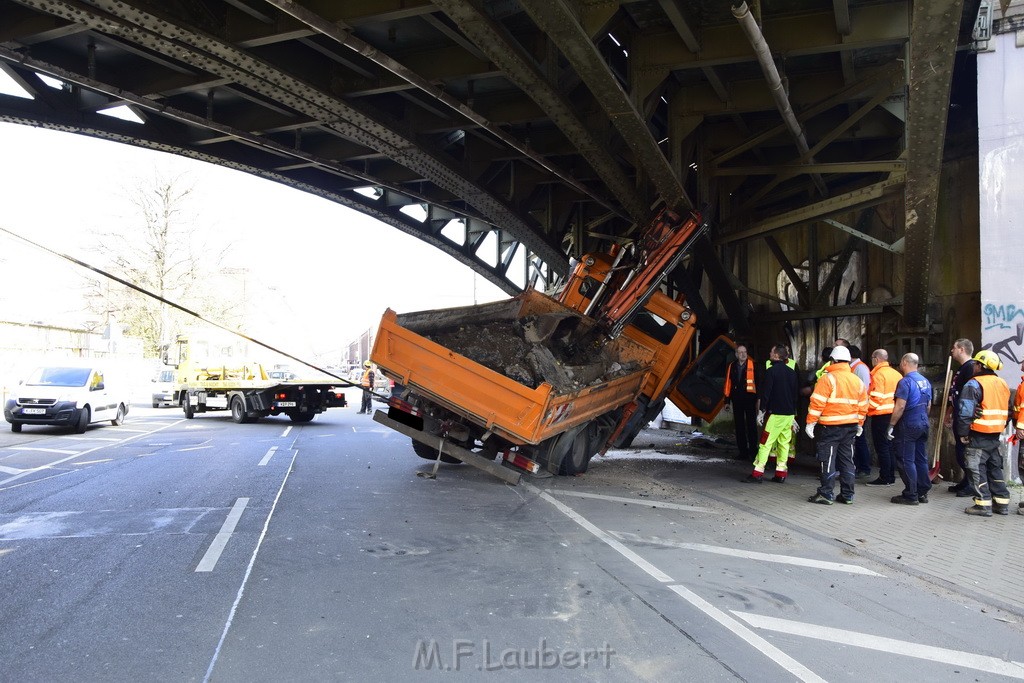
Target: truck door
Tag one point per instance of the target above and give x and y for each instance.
(700, 390)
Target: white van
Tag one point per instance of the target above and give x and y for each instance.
(64, 395)
(163, 389)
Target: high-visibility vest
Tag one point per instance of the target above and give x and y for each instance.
(882, 392)
(366, 378)
(791, 364)
(751, 389)
(839, 398)
(1018, 405)
(994, 411)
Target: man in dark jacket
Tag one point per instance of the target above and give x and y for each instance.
(961, 352)
(776, 410)
(741, 393)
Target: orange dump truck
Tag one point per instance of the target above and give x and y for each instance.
(538, 381)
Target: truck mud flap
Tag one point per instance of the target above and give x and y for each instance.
(489, 466)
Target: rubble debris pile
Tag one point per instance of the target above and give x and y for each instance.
(565, 351)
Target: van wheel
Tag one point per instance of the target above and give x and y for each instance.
(577, 459)
(156, 404)
(120, 416)
(15, 426)
(429, 453)
(238, 411)
(83, 420)
(186, 405)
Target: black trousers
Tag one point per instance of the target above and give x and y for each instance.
(748, 436)
(367, 405)
(834, 451)
(883, 447)
(985, 469)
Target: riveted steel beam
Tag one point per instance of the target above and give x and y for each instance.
(558, 22)
(933, 39)
(518, 67)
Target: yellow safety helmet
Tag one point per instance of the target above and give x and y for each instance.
(366, 363)
(989, 359)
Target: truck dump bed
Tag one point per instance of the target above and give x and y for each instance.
(527, 368)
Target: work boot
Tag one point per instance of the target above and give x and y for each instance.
(820, 499)
(781, 479)
(998, 509)
(964, 493)
(753, 479)
(844, 500)
(1020, 508)
(879, 482)
(979, 511)
(957, 487)
(922, 498)
(901, 500)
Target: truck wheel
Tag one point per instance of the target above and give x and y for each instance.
(15, 426)
(302, 417)
(156, 404)
(428, 453)
(119, 418)
(83, 420)
(577, 459)
(238, 410)
(186, 405)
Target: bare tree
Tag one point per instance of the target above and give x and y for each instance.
(161, 248)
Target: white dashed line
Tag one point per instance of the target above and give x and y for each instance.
(631, 501)
(984, 663)
(193, 448)
(49, 450)
(268, 456)
(746, 554)
(286, 430)
(220, 541)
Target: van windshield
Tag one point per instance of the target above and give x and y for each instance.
(59, 377)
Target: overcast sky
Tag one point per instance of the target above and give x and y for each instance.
(331, 271)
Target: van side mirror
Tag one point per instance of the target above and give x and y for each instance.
(99, 387)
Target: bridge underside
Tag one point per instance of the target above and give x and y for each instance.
(515, 134)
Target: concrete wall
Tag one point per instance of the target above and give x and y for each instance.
(1001, 188)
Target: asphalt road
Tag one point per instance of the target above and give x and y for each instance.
(190, 550)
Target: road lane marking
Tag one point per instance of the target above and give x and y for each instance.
(746, 554)
(631, 501)
(12, 470)
(248, 571)
(127, 429)
(89, 438)
(220, 541)
(267, 457)
(992, 665)
(614, 544)
(286, 430)
(77, 455)
(93, 462)
(757, 642)
(50, 450)
(193, 448)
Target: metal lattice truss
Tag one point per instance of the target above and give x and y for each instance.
(513, 134)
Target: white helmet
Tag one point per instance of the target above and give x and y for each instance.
(841, 354)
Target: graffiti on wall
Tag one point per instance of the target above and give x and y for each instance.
(801, 334)
(1003, 331)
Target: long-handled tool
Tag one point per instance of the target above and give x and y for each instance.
(934, 469)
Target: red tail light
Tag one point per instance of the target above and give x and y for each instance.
(404, 406)
(521, 461)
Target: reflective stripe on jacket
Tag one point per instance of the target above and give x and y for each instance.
(1018, 405)
(882, 393)
(751, 389)
(367, 378)
(839, 398)
(992, 414)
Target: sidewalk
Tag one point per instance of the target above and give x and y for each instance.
(980, 556)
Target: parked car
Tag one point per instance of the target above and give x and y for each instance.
(67, 396)
(282, 374)
(163, 389)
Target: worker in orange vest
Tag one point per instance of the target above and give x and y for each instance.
(984, 411)
(839, 403)
(367, 384)
(741, 393)
(1018, 424)
(881, 401)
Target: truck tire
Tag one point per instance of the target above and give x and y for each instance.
(428, 453)
(83, 420)
(119, 418)
(186, 405)
(156, 404)
(302, 416)
(238, 414)
(577, 459)
(15, 426)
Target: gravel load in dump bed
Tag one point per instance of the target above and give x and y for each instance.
(566, 352)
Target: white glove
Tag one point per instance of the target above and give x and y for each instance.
(795, 426)
(860, 430)
(760, 417)
(888, 433)
(809, 429)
